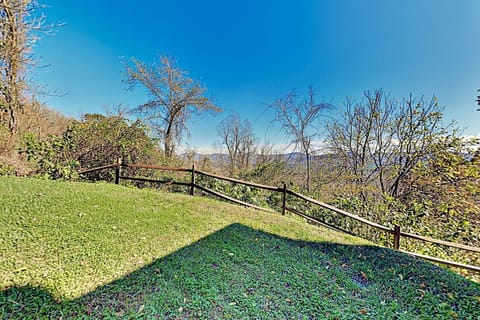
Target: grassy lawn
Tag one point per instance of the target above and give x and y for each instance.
(74, 250)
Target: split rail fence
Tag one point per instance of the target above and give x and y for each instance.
(395, 234)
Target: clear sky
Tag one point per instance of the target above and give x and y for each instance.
(250, 52)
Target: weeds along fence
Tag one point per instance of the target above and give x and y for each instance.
(282, 199)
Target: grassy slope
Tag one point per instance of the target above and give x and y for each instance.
(109, 251)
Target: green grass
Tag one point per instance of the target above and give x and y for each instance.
(74, 250)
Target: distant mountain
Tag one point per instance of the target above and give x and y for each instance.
(214, 157)
(291, 157)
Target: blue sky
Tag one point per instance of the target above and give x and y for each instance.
(249, 53)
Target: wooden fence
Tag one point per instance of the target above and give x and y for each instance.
(396, 232)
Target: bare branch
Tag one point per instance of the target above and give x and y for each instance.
(298, 119)
(239, 139)
(173, 98)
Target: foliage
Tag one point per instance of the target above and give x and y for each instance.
(89, 251)
(52, 156)
(5, 166)
(95, 141)
(445, 190)
(173, 99)
(102, 140)
(41, 121)
(404, 167)
(240, 192)
(21, 24)
(36, 122)
(273, 172)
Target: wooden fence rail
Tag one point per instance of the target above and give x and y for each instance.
(246, 183)
(108, 166)
(145, 166)
(193, 184)
(225, 197)
(342, 212)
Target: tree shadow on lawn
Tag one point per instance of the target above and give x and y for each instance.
(240, 272)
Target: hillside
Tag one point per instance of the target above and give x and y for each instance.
(76, 250)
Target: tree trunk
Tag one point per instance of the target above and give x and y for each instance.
(167, 141)
(168, 148)
(308, 171)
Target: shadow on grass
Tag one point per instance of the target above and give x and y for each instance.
(239, 272)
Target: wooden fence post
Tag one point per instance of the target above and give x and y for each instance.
(117, 171)
(396, 238)
(192, 187)
(284, 203)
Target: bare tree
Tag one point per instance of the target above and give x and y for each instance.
(361, 136)
(382, 139)
(247, 146)
(19, 23)
(173, 99)
(239, 139)
(298, 119)
(417, 128)
(229, 133)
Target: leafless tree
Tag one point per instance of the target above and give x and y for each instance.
(173, 99)
(247, 146)
(417, 128)
(381, 140)
(299, 119)
(355, 135)
(239, 139)
(229, 133)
